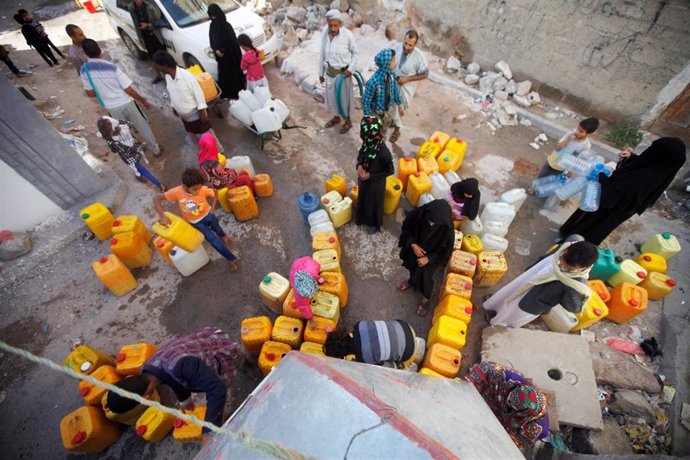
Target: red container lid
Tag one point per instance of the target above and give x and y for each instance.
(641, 275)
(103, 260)
(633, 302)
(84, 391)
(271, 356)
(78, 437)
(468, 286)
(670, 282)
(160, 243)
(331, 239)
(416, 174)
(436, 139)
(120, 357)
(141, 430)
(598, 312)
(178, 423)
(116, 223)
(468, 310)
(473, 262)
(326, 201)
(113, 241)
(408, 159)
(647, 258)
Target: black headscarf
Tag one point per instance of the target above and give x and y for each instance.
(469, 186)
(641, 179)
(221, 34)
(436, 238)
(371, 133)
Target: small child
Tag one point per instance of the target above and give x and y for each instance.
(251, 63)
(574, 143)
(117, 135)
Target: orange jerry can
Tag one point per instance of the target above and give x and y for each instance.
(124, 224)
(428, 150)
(354, 194)
(254, 332)
(93, 394)
(417, 184)
(448, 331)
(458, 285)
(86, 359)
(594, 310)
(406, 167)
(87, 430)
(318, 333)
(443, 359)
(163, 247)
(652, 262)
(131, 249)
(325, 240)
(242, 203)
(289, 309)
(312, 348)
(657, 285)
(326, 305)
(287, 330)
(337, 183)
(131, 358)
(463, 263)
(440, 138)
(430, 372)
(491, 267)
(427, 165)
(263, 185)
(154, 424)
(208, 86)
(99, 220)
(627, 301)
(271, 354)
(335, 283)
(223, 200)
(600, 288)
(185, 431)
(114, 275)
(454, 306)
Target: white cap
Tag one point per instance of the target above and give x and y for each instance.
(85, 366)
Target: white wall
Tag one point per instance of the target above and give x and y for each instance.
(21, 205)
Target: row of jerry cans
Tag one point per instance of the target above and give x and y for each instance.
(486, 268)
(449, 152)
(422, 187)
(488, 242)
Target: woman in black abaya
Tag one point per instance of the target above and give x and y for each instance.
(228, 54)
(426, 242)
(635, 185)
(374, 164)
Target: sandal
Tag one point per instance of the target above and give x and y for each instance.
(422, 308)
(332, 122)
(346, 127)
(395, 135)
(403, 285)
(233, 266)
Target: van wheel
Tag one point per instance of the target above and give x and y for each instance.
(132, 46)
(190, 61)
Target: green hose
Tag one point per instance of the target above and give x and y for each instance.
(339, 86)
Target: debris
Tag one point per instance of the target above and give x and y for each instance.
(534, 145)
(615, 368)
(625, 346)
(296, 13)
(14, 245)
(511, 87)
(69, 122)
(685, 416)
(534, 97)
(56, 113)
(500, 83)
(632, 403)
(340, 5)
(588, 335)
(521, 100)
(75, 342)
(651, 347)
(542, 137)
(79, 144)
(486, 83)
(504, 68)
(525, 122)
(453, 64)
(523, 88)
(473, 67)
(669, 393)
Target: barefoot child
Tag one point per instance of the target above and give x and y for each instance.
(574, 143)
(251, 64)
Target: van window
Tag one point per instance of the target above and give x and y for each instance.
(186, 13)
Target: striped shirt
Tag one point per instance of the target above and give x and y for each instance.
(375, 342)
(109, 80)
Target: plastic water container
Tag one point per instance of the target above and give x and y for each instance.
(417, 184)
(154, 424)
(472, 243)
(208, 86)
(440, 138)
(243, 203)
(491, 266)
(515, 197)
(114, 275)
(274, 289)
(271, 354)
(451, 177)
(494, 243)
(288, 331)
(571, 188)
(241, 112)
(317, 330)
(406, 167)
(443, 359)
(223, 200)
(546, 186)
(607, 264)
(463, 263)
(312, 348)
(179, 232)
(425, 198)
(454, 306)
(594, 310)
(457, 240)
(289, 308)
(131, 358)
(448, 331)
(574, 164)
(430, 372)
(326, 305)
(457, 144)
(266, 120)
(263, 185)
(99, 220)
(335, 283)
(472, 227)
(498, 211)
(163, 247)
(189, 262)
(330, 197)
(248, 98)
(254, 332)
(658, 285)
(326, 240)
(589, 202)
(86, 359)
(630, 272)
(340, 212)
(321, 227)
(440, 189)
(337, 183)
(652, 262)
(131, 416)
(93, 394)
(262, 94)
(495, 228)
(664, 244)
(448, 160)
(627, 301)
(428, 149)
(240, 162)
(458, 285)
(87, 430)
(600, 288)
(354, 194)
(185, 431)
(559, 319)
(132, 250)
(328, 259)
(308, 203)
(394, 187)
(427, 165)
(279, 107)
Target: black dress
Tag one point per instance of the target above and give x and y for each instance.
(369, 209)
(231, 78)
(437, 240)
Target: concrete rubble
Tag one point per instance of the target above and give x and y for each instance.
(14, 245)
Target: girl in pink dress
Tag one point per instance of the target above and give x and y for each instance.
(251, 64)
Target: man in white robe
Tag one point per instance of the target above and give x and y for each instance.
(410, 68)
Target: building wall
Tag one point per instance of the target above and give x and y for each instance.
(610, 57)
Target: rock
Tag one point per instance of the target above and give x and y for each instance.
(500, 84)
(501, 96)
(340, 5)
(296, 13)
(534, 97)
(314, 21)
(15, 246)
(612, 440)
(302, 34)
(357, 19)
(521, 100)
(310, 84)
(348, 22)
(453, 64)
(472, 79)
(632, 403)
(366, 29)
(290, 39)
(280, 58)
(473, 67)
(525, 122)
(511, 87)
(510, 109)
(299, 75)
(504, 68)
(486, 84)
(523, 88)
(620, 370)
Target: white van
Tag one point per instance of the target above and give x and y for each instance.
(186, 31)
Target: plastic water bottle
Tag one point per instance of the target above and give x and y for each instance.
(546, 186)
(596, 170)
(567, 150)
(575, 165)
(572, 187)
(591, 196)
(552, 202)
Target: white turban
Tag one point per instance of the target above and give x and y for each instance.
(334, 15)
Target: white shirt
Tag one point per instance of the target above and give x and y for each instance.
(412, 64)
(339, 52)
(110, 82)
(186, 95)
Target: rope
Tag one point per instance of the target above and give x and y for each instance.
(267, 448)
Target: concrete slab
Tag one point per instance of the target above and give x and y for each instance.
(556, 362)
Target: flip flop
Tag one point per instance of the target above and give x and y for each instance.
(422, 308)
(402, 285)
(346, 127)
(332, 122)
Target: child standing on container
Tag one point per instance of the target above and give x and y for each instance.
(117, 135)
(574, 143)
(251, 64)
(192, 197)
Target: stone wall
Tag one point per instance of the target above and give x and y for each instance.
(605, 57)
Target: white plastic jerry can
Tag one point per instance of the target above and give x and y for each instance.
(440, 189)
(559, 319)
(498, 211)
(495, 228)
(189, 262)
(241, 162)
(515, 197)
(248, 98)
(472, 227)
(494, 243)
(262, 93)
(451, 177)
(241, 112)
(280, 108)
(266, 120)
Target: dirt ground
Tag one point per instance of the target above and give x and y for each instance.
(61, 299)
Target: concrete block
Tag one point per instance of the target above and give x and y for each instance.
(473, 67)
(632, 403)
(557, 362)
(453, 64)
(620, 370)
(472, 79)
(504, 68)
(522, 100)
(523, 88)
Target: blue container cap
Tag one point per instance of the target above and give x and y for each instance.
(666, 235)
